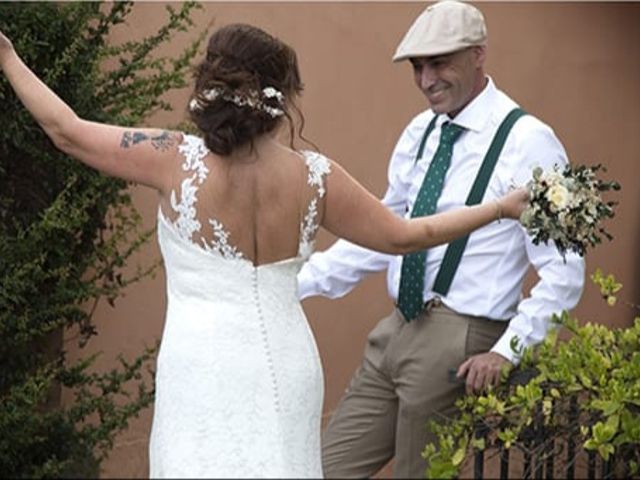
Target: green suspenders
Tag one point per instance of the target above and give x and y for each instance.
(453, 255)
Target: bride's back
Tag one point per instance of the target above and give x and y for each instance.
(251, 204)
(237, 350)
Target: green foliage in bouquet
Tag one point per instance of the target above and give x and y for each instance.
(585, 389)
(567, 207)
(67, 231)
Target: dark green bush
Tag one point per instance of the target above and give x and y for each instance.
(67, 231)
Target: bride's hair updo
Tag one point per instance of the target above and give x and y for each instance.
(244, 88)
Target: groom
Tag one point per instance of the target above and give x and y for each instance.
(458, 306)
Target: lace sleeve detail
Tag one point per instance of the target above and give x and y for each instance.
(194, 150)
(187, 224)
(319, 167)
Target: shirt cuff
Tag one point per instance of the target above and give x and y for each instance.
(503, 346)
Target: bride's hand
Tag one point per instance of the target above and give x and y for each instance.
(513, 203)
(6, 47)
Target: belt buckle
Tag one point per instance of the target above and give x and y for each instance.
(433, 302)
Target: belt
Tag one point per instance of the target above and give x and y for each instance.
(430, 304)
(433, 303)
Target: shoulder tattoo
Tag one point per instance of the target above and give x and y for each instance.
(161, 142)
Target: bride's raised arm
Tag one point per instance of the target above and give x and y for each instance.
(353, 213)
(140, 155)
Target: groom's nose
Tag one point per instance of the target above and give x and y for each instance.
(425, 76)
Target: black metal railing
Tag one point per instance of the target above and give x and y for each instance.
(548, 449)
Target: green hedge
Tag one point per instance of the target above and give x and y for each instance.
(67, 231)
(585, 389)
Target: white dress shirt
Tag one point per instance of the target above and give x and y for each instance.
(489, 280)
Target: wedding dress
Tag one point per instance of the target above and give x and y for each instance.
(239, 385)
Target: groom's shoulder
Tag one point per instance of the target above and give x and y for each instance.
(532, 132)
(531, 136)
(527, 124)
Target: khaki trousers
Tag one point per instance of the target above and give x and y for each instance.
(403, 382)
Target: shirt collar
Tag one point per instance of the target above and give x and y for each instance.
(476, 114)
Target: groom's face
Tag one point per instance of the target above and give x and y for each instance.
(450, 81)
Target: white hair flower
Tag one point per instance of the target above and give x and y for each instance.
(251, 99)
(270, 92)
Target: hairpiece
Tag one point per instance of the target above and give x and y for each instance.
(253, 99)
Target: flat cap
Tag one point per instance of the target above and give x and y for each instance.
(443, 27)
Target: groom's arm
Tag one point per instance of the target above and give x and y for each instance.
(560, 284)
(559, 288)
(336, 271)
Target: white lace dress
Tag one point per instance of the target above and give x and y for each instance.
(239, 385)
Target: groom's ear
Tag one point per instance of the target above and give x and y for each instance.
(480, 54)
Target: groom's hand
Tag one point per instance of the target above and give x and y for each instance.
(483, 370)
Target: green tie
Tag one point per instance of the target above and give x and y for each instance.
(410, 300)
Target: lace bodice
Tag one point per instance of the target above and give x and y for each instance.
(184, 203)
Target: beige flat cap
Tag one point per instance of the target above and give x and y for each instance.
(443, 27)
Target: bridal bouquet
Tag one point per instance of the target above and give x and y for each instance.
(566, 207)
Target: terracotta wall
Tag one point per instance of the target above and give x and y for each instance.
(575, 65)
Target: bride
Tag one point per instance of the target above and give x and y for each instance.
(239, 384)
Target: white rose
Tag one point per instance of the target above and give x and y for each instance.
(553, 178)
(559, 196)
